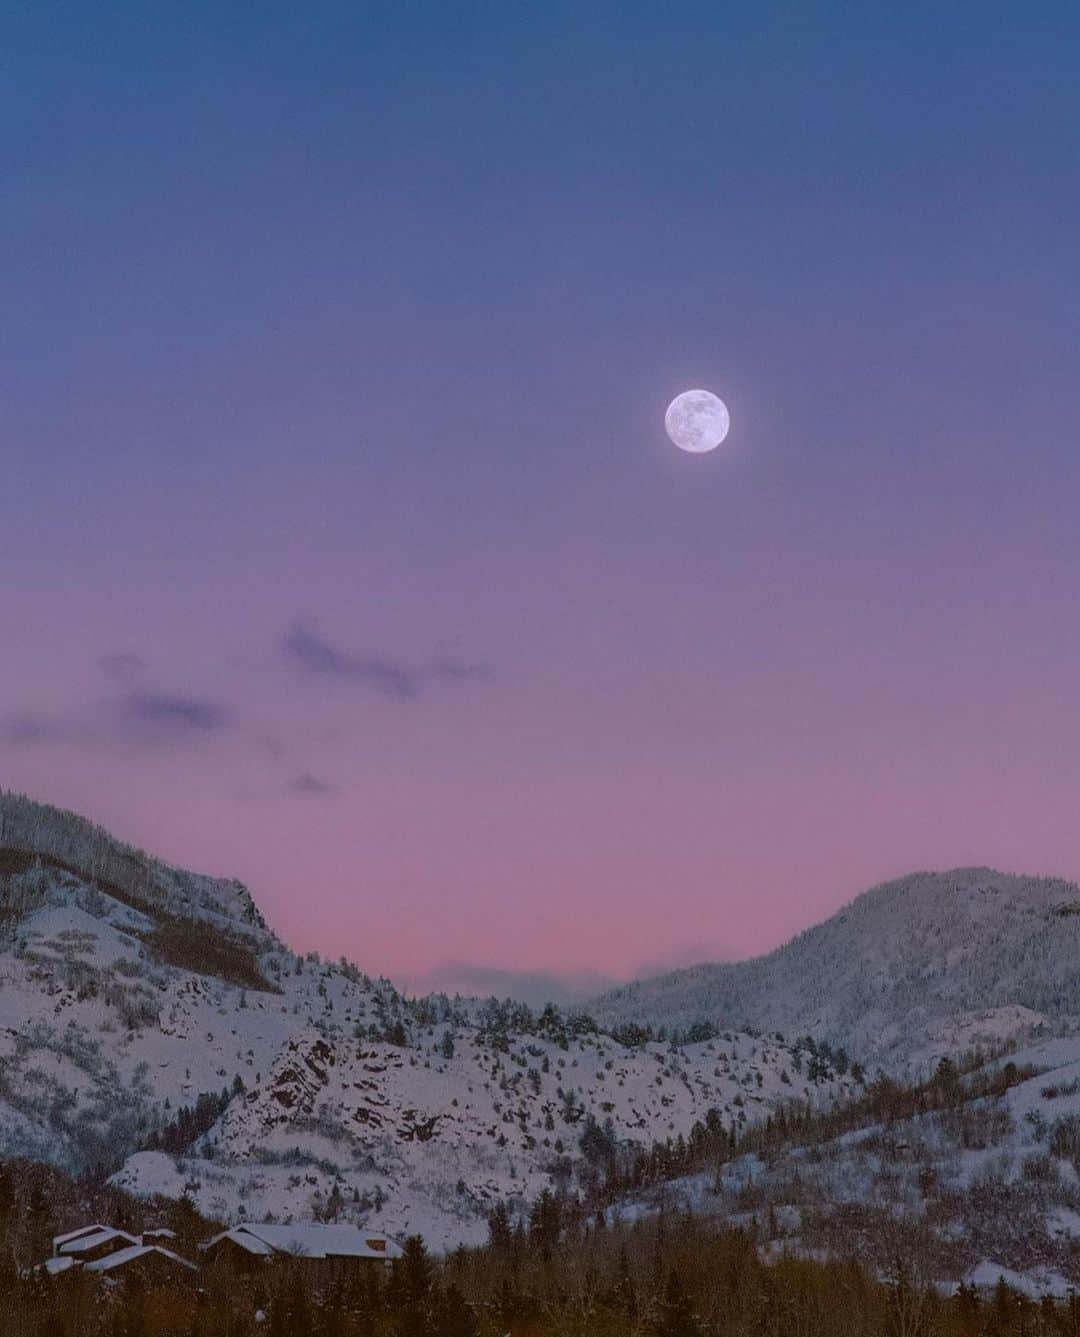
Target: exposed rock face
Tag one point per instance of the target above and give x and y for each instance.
(132, 994)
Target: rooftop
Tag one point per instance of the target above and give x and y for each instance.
(82, 1241)
(310, 1239)
(124, 1256)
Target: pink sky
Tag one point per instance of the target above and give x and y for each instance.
(705, 789)
(341, 547)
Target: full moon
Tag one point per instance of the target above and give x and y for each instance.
(697, 421)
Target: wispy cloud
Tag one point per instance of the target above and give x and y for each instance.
(31, 730)
(136, 718)
(310, 652)
(185, 714)
(537, 987)
(313, 654)
(534, 987)
(455, 670)
(311, 786)
(122, 666)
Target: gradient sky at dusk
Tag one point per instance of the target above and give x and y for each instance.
(341, 548)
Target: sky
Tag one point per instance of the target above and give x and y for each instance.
(341, 546)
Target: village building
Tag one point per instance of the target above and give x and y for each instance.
(107, 1252)
(333, 1247)
(91, 1243)
(150, 1263)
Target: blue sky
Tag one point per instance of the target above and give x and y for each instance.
(361, 320)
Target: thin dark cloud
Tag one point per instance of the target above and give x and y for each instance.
(455, 670)
(140, 718)
(122, 667)
(311, 786)
(313, 654)
(32, 730)
(185, 714)
(310, 652)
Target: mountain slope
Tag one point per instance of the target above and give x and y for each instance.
(923, 965)
(968, 1176)
(152, 1026)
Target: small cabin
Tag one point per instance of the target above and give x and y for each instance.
(106, 1252)
(91, 1243)
(148, 1263)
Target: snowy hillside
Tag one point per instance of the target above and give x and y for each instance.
(152, 1027)
(63, 841)
(930, 964)
(964, 1189)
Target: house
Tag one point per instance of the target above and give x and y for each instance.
(150, 1263)
(107, 1252)
(337, 1246)
(91, 1243)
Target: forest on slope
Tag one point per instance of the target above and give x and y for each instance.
(153, 1029)
(924, 965)
(561, 1273)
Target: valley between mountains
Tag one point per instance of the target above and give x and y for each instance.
(155, 1033)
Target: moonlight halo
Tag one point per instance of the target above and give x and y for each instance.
(697, 421)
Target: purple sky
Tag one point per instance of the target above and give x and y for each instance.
(341, 548)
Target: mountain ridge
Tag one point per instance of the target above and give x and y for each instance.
(152, 1028)
(891, 966)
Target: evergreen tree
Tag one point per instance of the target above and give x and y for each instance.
(453, 1317)
(40, 1223)
(500, 1232)
(622, 1297)
(7, 1197)
(187, 1222)
(545, 1224)
(416, 1270)
(676, 1315)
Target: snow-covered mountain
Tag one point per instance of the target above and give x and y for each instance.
(961, 1187)
(153, 1027)
(930, 964)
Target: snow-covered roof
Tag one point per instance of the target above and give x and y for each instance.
(161, 1233)
(58, 1240)
(54, 1266)
(248, 1242)
(124, 1256)
(85, 1241)
(310, 1239)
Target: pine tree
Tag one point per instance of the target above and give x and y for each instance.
(409, 1293)
(676, 1316)
(453, 1317)
(545, 1224)
(7, 1198)
(623, 1295)
(187, 1222)
(416, 1270)
(41, 1226)
(500, 1232)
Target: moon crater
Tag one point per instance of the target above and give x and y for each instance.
(697, 421)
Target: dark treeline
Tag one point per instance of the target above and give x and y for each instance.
(38, 1201)
(562, 1276)
(614, 1170)
(564, 1269)
(191, 1121)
